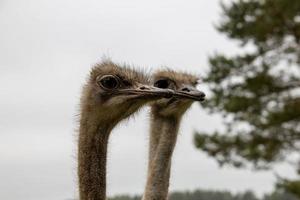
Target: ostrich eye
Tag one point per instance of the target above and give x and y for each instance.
(162, 83)
(108, 82)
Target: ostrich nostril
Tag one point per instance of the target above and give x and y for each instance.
(144, 88)
(185, 89)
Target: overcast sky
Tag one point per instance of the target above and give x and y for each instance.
(46, 50)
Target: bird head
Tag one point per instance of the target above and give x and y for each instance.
(113, 92)
(185, 92)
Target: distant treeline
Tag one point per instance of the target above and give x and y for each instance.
(215, 195)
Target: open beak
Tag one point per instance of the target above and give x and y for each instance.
(190, 93)
(147, 92)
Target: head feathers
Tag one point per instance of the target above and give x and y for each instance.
(125, 72)
(178, 77)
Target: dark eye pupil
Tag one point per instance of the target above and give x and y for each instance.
(109, 82)
(126, 83)
(161, 84)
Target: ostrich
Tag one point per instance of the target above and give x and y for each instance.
(111, 94)
(166, 115)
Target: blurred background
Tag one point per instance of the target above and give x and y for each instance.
(244, 138)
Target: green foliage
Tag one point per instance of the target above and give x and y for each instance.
(292, 187)
(201, 195)
(280, 196)
(215, 195)
(125, 197)
(257, 91)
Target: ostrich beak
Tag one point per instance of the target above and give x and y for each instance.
(147, 92)
(189, 92)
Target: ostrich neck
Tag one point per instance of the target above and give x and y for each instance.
(92, 152)
(163, 136)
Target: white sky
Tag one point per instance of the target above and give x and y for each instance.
(46, 51)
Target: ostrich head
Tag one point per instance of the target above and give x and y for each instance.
(183, 84)
(113, 93)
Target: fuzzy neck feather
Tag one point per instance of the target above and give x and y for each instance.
(92, 153)
(163, 136)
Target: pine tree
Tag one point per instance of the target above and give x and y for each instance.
(257, 91)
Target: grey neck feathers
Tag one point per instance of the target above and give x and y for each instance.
(92, 153)
(163, 136)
